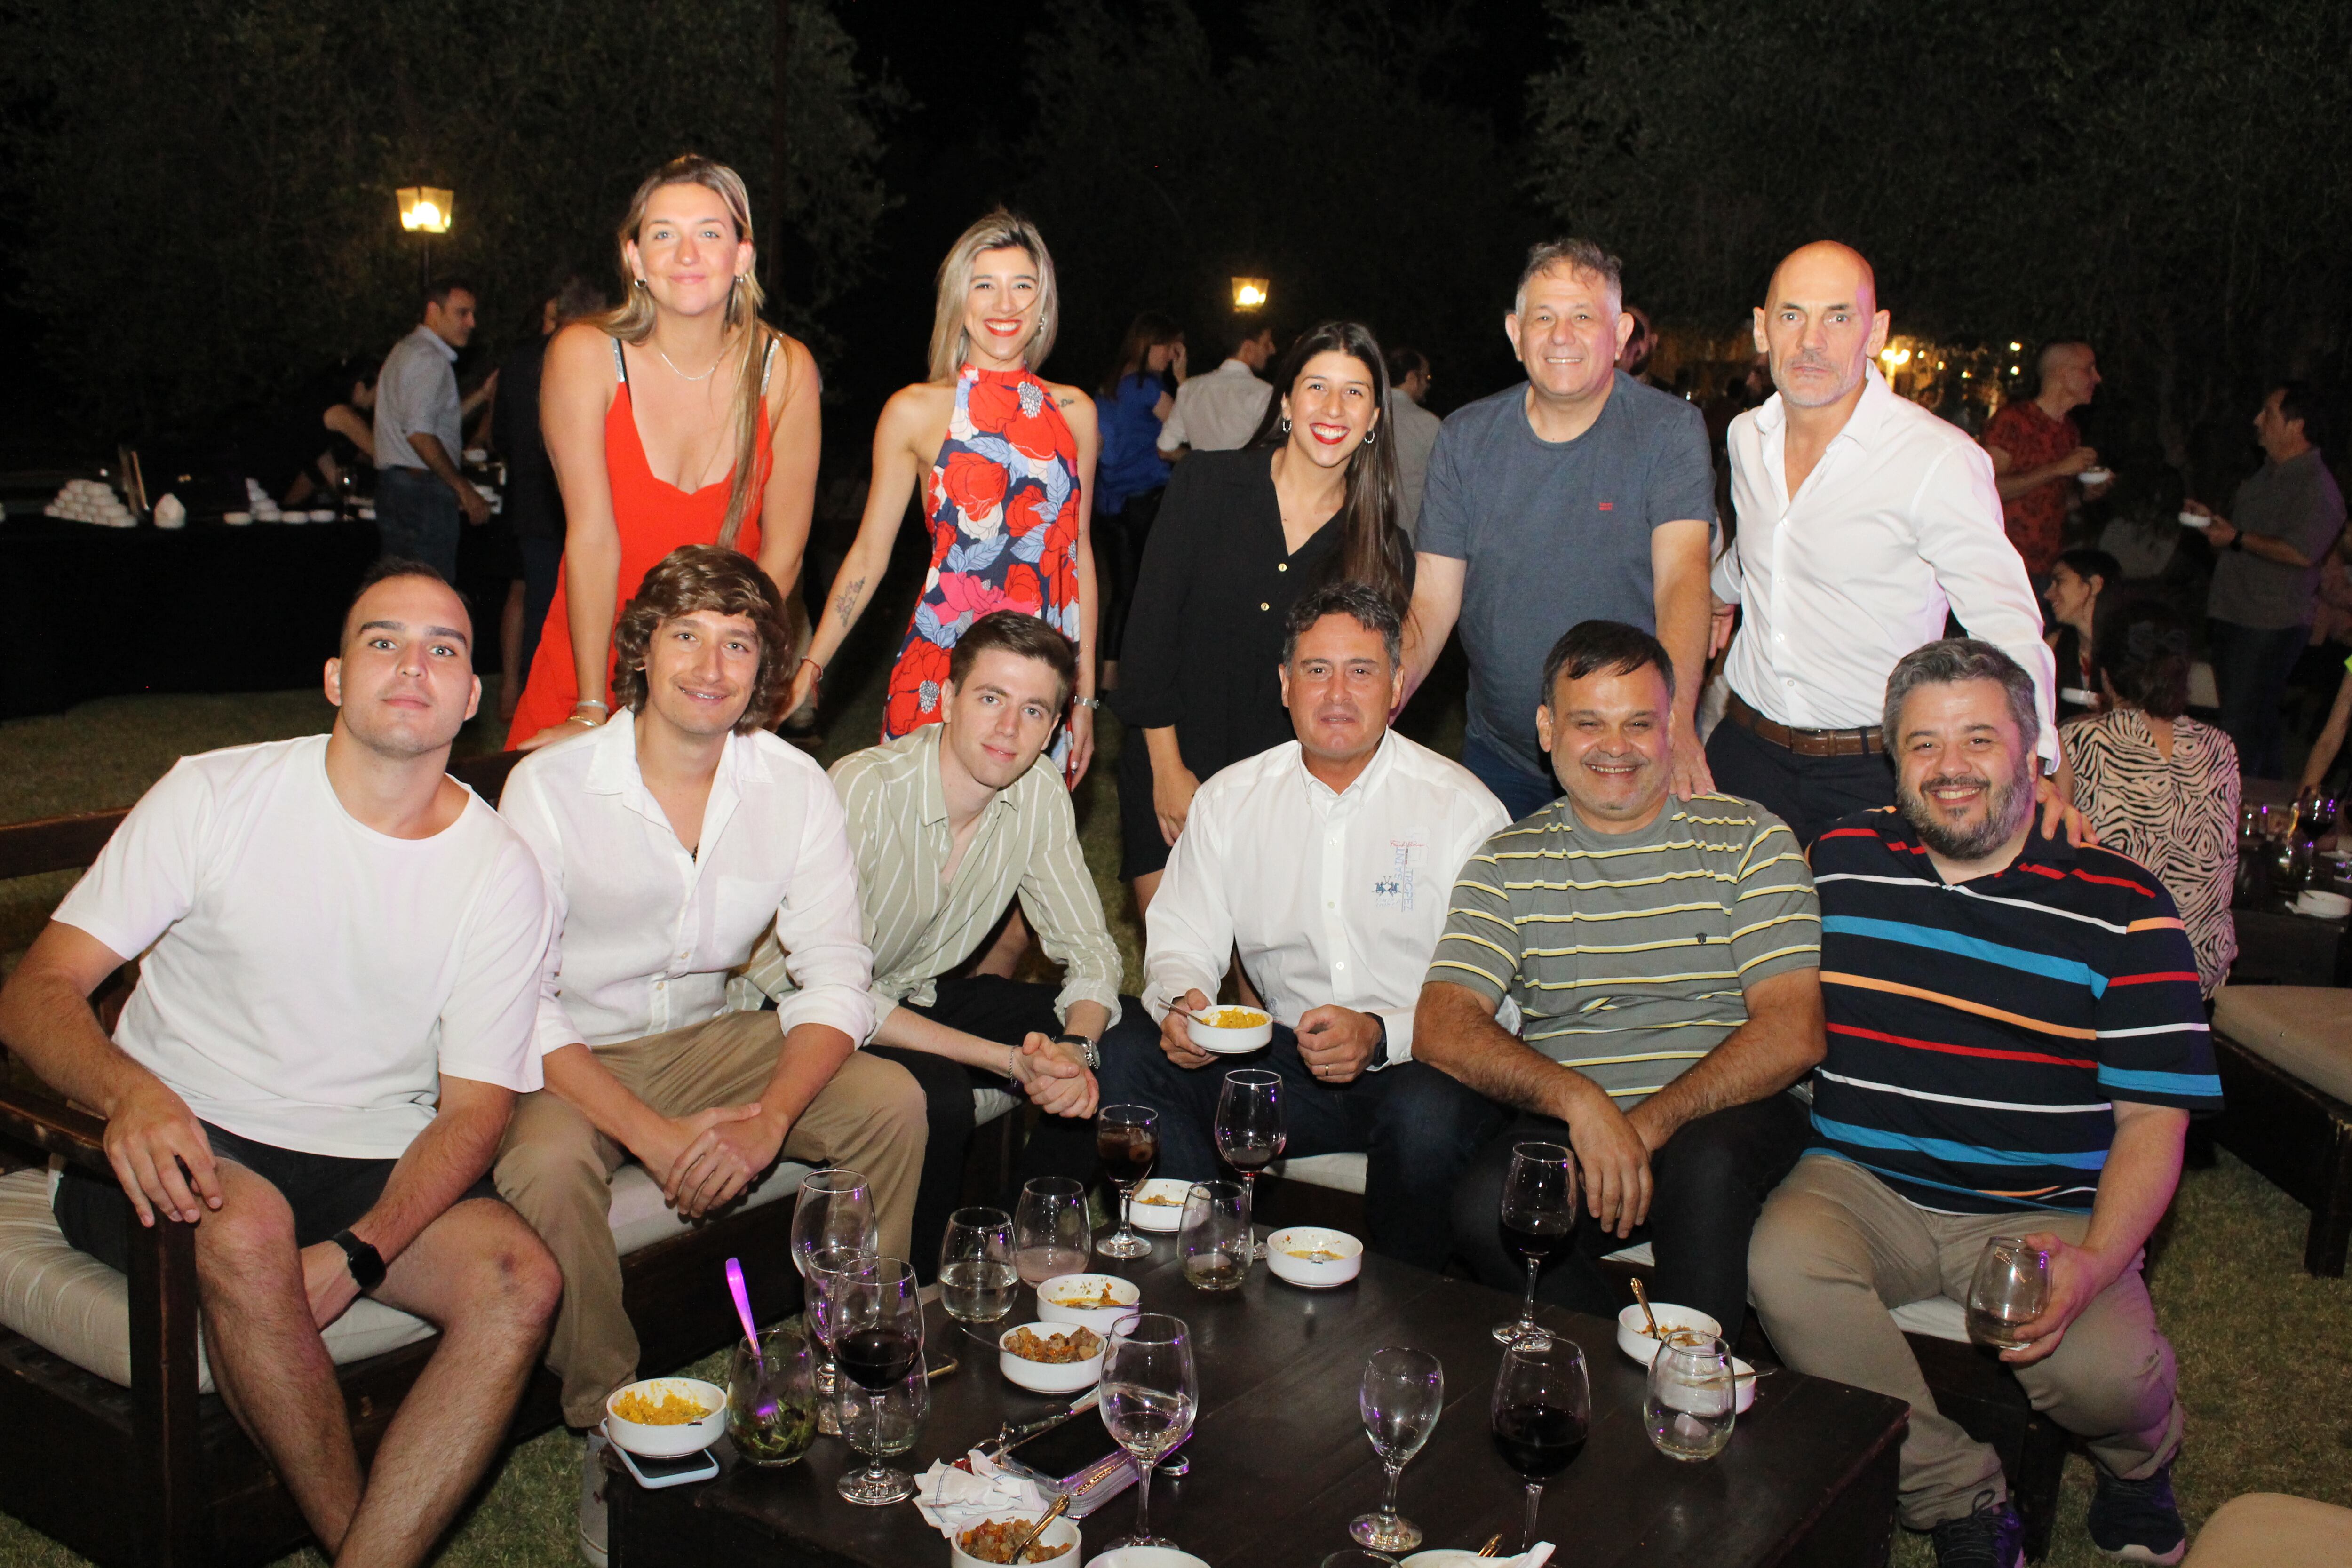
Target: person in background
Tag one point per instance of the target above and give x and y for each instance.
(300, 446)
(420, 493)
(2037, 452)
(1578, 495)
(2157, 785)
(1634, 359)
(1135, 399)
(2079, 580)
(2286, 516)
(1412, 432)
(1217, 412)
(534, 502)
(1863, 521)
(1369, 829)
(1243, 537)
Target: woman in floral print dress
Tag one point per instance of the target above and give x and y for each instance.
(1010, 458)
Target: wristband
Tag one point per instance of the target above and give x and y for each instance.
(365, 1262)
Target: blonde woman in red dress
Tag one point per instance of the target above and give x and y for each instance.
(679, 418)
(1010, 461)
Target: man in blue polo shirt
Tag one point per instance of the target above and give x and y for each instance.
(2015, 1046)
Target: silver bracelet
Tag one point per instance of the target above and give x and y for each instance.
(592, 702)
(1086, 702)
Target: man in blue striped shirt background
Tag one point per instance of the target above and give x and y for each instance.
(2016, 1042)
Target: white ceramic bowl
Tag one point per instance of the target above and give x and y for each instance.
(669, 1442)
(322, 514)
(237, 519)
(2322, 904)
(1230, 1041)
(1048, 1377)
(2193, 519)
(1444, 1557)
(2096, 475)
(1167, 1217)
(1051, 1308)
(1747, 1386)
(1149, 1557)
(1633, 1330)
(1314, 1274)
(1063, 1532)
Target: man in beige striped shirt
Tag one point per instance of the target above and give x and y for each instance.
(948, 825)
(1665, 956)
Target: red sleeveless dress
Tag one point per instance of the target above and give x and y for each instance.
(653, 517)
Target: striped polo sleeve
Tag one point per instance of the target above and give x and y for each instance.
(1776, 919)
(1481, 946)
(2154, 1045)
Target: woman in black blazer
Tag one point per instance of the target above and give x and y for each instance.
(1241, 536)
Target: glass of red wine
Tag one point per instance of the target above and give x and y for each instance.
(1542, 1412)
(1249, 1131)
(877, 1318)
(1538, 1220)
(1126, 1140)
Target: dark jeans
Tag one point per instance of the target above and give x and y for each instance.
(542, 559)
(1523, 794)
(2251, 666)
(1708, 1184)
(1808, 793)
(1007, 1011)
(1418, 1126)
(416, 517)
(1120, 538)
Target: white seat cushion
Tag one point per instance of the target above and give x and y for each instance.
(1938, 1317)
(2303, 1030)
(1340, 1172)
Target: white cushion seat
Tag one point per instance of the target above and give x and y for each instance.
(2303, 1030)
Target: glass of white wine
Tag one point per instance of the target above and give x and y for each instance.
(2012, 1288)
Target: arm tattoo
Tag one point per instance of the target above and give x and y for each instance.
(844, 604)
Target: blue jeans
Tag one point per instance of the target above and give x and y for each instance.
(416, 517)
(1523, 794)
(1418, 1126)
(2251, 666)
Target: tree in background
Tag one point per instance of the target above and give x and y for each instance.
(206, 187)
(2171, 179)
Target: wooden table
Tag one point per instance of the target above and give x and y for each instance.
(1280, 1464)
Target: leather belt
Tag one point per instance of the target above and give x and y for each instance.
(1805, 743)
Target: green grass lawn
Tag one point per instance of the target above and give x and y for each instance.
(2264, 1367)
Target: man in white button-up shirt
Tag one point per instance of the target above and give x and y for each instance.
(672, 839)
(1863, 519)
(1327, 862)
(1217, 412)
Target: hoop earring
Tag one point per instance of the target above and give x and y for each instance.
(1370, 437)
(1285, 424)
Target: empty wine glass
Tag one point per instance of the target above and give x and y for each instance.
(1692, 1400)
(1400, 1397)
(1538, 1219)
(1150, 1389)
(1249, 1128)
(977, 1277)
(2012, 1288)
(834, 1212)
(1051, 1233)
(1126, 1140)
(1541, 1414)
(876, 1317)
(1214, 1236)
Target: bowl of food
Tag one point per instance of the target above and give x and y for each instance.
(1096, 1301)
(2096, 475)
(1159, 1204)
(666, 1417)
(994, 1538)
(1147, 1557)
(2196, 520)
(1311, 1255)
(1230, 1031)
(1051, 1358)
(1688, 1324)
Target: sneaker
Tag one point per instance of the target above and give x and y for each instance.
(592, 1478)
(2138, 1520)
(1992, 1536)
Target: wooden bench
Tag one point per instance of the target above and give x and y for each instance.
(2284, 1055)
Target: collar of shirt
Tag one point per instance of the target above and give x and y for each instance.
(1901, 839)
(426, 334)
(1363, 786)
(1235, 368)
(615, 770)
(1864, 427)
(931, 802)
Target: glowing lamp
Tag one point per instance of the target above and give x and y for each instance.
(1250, 293)
(425, 209)
(2016, 348)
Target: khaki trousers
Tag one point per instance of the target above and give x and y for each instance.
(1836, 1248)
(557, 1170)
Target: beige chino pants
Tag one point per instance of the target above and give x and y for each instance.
(1836, 1248)
(557, 1170)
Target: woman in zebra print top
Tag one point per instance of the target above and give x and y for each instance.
(2159, 786)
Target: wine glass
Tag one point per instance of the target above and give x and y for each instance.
(1249, 1130)
(1051, 1233)
(1692, 1400)
(1541, 1414)
(2012, 1288)
(881, 1424)
(820, 1270)
(1214, 1236)
(1126, 1140)
(1538, 1219)
(1150, 1389)
(1400, 1397)
(877, 1318)
(976, 1273)
(834, 1212)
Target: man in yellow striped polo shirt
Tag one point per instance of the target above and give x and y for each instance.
(1665, 956)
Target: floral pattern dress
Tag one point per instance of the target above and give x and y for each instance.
(1004, 506)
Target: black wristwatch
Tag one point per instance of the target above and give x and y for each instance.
(1088, 1052)
(2237, 541)
(1380, 1052)
(365, 1262)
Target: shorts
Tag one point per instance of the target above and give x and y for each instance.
(327, 1193)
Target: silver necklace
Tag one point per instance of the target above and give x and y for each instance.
(682, 376)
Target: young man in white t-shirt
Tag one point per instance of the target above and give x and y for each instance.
(339, 951)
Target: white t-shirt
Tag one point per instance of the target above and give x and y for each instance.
(306, 979)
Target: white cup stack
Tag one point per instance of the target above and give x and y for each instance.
(90, 500)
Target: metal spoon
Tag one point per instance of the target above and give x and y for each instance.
(1493, 1544)
(1037, 1529)
(1644, 1297)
